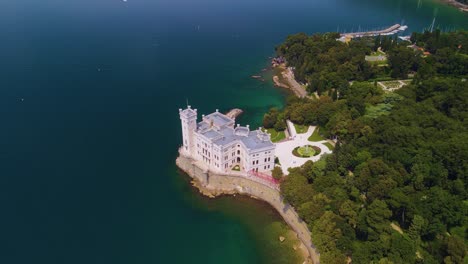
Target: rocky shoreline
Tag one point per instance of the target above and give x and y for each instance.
(285, 79)
(213, 185)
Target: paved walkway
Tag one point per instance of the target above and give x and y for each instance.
(284, 149)
(291, 129)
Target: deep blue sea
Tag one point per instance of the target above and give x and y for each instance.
(89, 128)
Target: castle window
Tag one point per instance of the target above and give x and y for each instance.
(238, 152)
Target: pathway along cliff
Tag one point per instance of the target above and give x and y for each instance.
(214, 184)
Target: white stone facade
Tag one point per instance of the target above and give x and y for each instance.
(221, 145)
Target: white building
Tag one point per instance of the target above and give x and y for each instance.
(221, 146)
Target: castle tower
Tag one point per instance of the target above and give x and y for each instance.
(188, 118)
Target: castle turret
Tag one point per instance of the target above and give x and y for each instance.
(188, 118)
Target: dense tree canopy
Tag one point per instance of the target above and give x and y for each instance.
(327, 66)
(395, 188)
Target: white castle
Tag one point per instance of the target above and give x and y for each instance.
(221, 146)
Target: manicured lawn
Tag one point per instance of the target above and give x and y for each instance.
(377, 53)
(300, 129)
(306, 151)
(316, 136)
(329, 146)
(275, 135)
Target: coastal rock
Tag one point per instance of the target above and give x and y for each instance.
(225, 185)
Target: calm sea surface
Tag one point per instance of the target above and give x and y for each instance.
(89, 98)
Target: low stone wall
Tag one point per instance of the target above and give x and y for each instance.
(214, 184)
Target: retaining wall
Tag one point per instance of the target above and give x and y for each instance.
(214, 184)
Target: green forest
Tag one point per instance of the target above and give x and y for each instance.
(327, 65)
(395, 188)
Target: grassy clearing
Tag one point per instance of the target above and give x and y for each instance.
(329, 146)
(316, 136)
(374, 111)
(381, 78)
(377, 58)
(300, 129)
(275, 135)
(392, 84)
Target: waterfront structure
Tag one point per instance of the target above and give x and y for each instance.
(223, 146)
(346, 37)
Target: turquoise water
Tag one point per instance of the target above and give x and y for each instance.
(89, 92)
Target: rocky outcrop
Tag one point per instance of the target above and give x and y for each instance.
(214, 184)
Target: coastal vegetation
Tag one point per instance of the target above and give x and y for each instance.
(277, 173)
(328, 66)
(395, 188)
